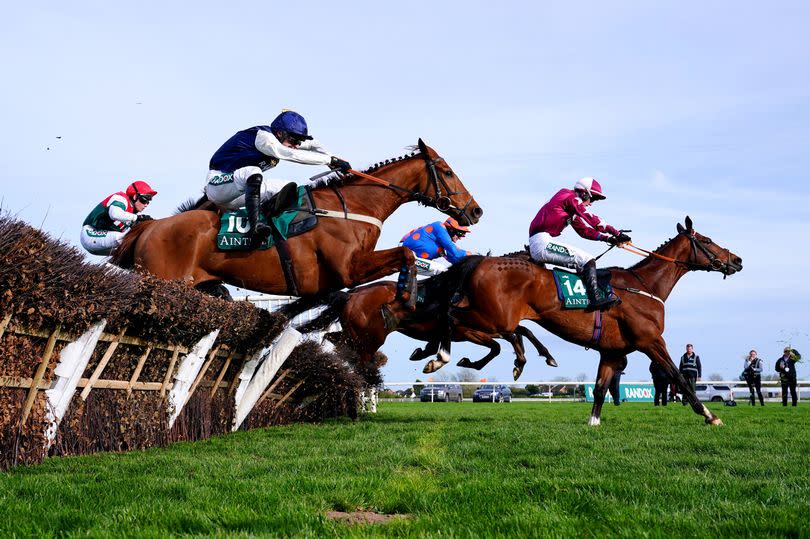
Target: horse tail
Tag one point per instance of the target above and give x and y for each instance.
(335, 302)
(123, 256)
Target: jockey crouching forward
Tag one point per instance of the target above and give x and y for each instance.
(436, 240)
(570, 207)
(106, 225)
(235, 171)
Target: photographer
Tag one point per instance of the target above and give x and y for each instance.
(752, 373)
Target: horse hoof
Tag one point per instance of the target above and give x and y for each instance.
(464, 362)
(430, 367)
(715, 421)
(415, 355)
(551, 362)
(594, 422)
(516, 373)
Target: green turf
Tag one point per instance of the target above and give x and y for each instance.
(458, 470)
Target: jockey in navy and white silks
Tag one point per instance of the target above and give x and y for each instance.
(570, 206)
(106, 225)
(235, 170)
(436, 240)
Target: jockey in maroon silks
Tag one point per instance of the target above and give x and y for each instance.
(570, 206)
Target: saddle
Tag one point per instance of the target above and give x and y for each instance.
(234, 231)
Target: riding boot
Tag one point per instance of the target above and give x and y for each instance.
(588, 276)
(259, 231)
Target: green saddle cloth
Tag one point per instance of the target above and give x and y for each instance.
(571, 289)
(234, 230)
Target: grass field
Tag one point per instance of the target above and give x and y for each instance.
(459, 470)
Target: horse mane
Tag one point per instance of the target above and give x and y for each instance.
(201, 203)
(342, 179)
(641, 263)
(440, 288)
(123, 256)
(522, 254)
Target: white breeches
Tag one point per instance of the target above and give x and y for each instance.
(544, 248)
(100, 242)
(228, 190)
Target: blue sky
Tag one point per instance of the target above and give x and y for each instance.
(677, 108)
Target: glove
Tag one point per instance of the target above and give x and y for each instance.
(143, 217)
(339, 164)
(621, 238)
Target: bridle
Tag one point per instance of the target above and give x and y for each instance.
(713, 261)
(441, 199)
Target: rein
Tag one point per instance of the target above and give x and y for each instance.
(714, 263)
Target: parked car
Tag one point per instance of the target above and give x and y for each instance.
(441, 392)
(713, 393)
(485, 394)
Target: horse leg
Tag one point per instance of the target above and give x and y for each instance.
(541, 349)
(483, 340)
(442, 358)
(430, 348)
(607, 366)
(520, 353)
(658, 352)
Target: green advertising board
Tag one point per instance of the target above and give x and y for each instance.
(627, 392)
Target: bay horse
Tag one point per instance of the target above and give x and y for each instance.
(502, 291)
(360, 314)
(335, 254)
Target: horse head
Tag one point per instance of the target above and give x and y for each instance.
(706, 255)
(449, 194)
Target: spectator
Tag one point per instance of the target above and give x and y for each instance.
(690, 368)
(786, 367)
(660, 379)
(613, 386)
(752, 372)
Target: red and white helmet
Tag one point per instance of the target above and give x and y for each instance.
(140, 187)
(590, 186)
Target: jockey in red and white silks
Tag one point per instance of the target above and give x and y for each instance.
(106, 225)
(570, 206)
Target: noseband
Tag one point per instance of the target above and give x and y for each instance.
(714, 263)
(441, 201)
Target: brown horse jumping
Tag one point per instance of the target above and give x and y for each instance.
(361, 318)
(337, 253)
(502, 291)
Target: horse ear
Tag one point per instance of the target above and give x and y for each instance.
(680, 228)
(688, 223)
(422, 146)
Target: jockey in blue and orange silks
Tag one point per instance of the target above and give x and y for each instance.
(436, 240)
(570, 206)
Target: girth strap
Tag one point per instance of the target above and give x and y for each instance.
(597, 328)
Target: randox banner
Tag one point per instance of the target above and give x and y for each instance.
(627, 392)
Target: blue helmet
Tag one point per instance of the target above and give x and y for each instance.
(291, 123)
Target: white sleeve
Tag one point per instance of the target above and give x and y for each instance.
(268, 144)
(117, 213)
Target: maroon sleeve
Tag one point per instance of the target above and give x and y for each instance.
(587, 224)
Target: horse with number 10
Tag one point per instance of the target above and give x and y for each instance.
(337, 253)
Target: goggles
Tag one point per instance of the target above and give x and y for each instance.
(144, 199)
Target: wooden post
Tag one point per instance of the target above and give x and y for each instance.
(287, 395)
(222, 373)
(138, 370)
(101, 364)
(270, 389)
(169, 371)
(46, 357)
(4, 324)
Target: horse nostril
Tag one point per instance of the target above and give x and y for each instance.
(477, 212)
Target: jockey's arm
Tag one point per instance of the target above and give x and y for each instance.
(117, 212)
(452, 253)
(588, 225)
(268, 144)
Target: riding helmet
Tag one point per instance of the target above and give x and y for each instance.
(292, 123)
